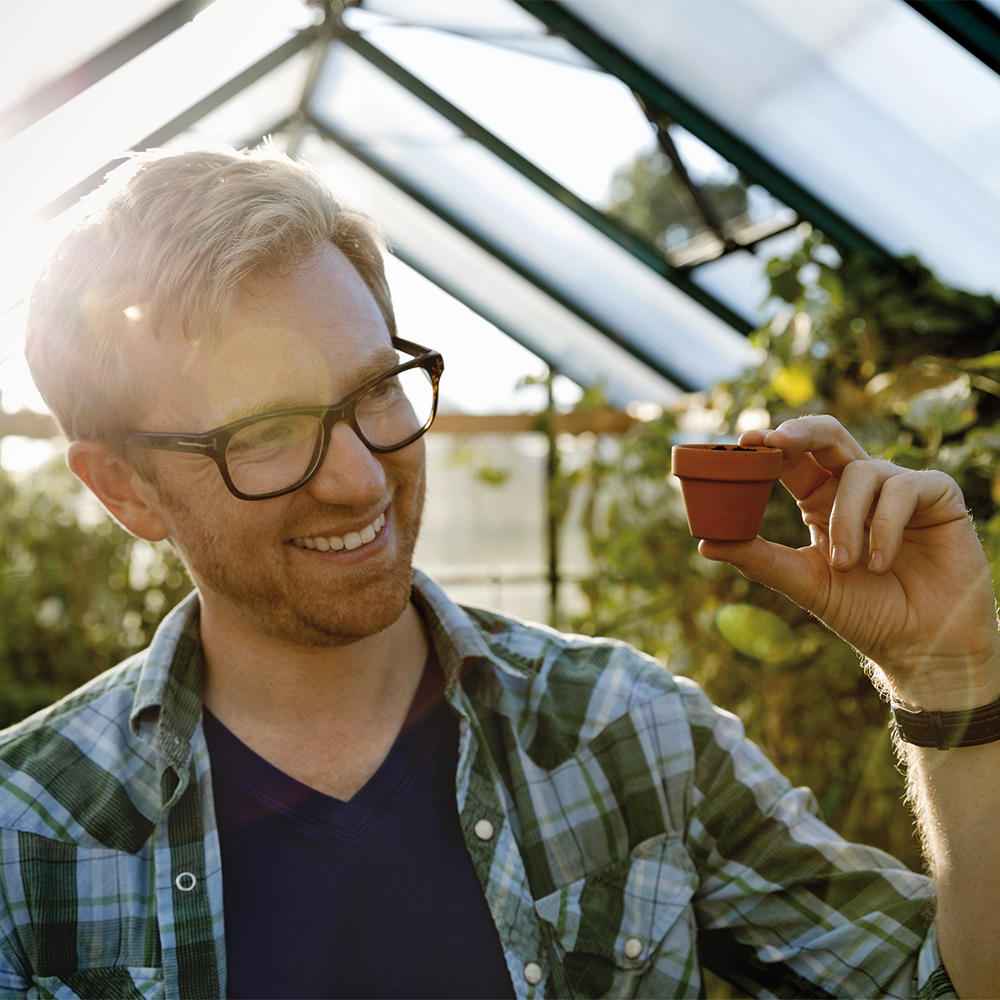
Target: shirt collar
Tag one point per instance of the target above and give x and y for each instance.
(167, 703)
(459, 641)
(167, 699)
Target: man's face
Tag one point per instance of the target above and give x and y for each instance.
(303, 337)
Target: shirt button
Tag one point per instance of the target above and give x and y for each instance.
(185, 882)
(483, 829)
(633, 948)
(533, 973)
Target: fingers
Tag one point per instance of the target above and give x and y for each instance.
(876, 504)
(868, 505)
(815, 448)
(854, 508)
(882, 501)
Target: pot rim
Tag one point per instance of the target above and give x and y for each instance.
(735, 463)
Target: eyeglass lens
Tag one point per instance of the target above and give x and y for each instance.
(275, 453)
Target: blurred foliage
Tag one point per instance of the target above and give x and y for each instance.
(912, 368)
(648, 196)
(78, 592)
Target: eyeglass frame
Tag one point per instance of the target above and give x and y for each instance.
(212, 444)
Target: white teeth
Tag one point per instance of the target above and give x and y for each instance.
(352, 540)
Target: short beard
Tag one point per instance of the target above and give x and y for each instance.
(375, 607)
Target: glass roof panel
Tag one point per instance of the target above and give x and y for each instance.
(609, 286)
(864, 102)
(740, 278)
(255, 110)
(545, 109)
(144, 94)
(511, 302)
(651, 197)
(45, 38)
(549, 110)
(499, 22)
(499, 19)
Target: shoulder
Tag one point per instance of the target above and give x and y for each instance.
(570, 689)
(101, 700)
(64, 767)
(560, 691)
(623, 673)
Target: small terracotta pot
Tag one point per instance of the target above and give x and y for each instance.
(726, 487)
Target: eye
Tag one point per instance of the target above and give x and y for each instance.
(275, 433)
(384, 393)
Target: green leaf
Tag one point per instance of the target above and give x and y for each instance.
(794, 384)
(984, 362)
(492, 475)
(943, 410)
(756, 632)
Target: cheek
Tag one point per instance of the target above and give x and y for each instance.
(409, 463)
(193, 499)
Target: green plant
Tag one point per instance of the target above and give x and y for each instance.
(78, 592)
(912, 368)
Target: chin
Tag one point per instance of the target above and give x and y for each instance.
(370, 609)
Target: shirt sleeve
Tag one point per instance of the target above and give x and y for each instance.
(12, 965)
(785, 906)
(12, 982)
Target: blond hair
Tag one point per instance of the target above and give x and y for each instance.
(173, 238)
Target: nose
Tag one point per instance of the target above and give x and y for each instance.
(350, 474)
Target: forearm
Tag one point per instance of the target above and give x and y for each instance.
(956, 797)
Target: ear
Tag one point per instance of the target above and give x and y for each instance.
(130, 500)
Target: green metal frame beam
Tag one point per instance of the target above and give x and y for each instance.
(52, 94)
(327, 131)
(642, 250)
(194, 113)
(973, 26)
(659, 95)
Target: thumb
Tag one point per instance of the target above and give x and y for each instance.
(789, 571)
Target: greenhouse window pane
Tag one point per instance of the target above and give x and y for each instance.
(136, 99)
(254, 110)
(46, 38)
(546, 109)
(547, 241)
(740, 278)
(863, 102)
(477, 278)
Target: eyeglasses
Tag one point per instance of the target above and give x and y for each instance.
(271, 454)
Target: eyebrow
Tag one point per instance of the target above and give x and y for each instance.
(382, 361)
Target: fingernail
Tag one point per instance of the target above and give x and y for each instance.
(875, 561)
(839, 555)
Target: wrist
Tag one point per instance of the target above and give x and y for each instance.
(955, 687)
(948, 730)
(957, 706)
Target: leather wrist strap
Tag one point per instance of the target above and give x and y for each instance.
(944, 730)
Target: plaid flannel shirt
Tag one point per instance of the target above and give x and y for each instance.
(633, 836)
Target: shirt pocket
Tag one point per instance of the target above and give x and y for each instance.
(118, 982)
(612, 926)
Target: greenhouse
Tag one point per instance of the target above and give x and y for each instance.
(626, 226)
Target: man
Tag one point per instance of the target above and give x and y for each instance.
(323, 778)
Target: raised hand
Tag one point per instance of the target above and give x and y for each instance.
(894, 565)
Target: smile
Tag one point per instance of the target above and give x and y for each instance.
(337, 543)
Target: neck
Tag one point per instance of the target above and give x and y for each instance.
(303, 708)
